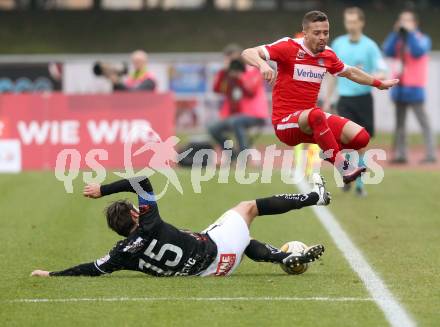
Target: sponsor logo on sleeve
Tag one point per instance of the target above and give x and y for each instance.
(134, 246)
(309, 73)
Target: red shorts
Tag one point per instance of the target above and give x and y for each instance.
(287, 129)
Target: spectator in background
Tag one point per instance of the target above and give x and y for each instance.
(410, 47)
(355, 100)
(245, 103)
(137, 80)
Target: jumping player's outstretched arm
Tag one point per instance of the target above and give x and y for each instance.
(256, 57)
(359, 76)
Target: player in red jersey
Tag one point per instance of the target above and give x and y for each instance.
(301, 66)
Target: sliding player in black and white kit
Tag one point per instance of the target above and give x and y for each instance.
(157, 248)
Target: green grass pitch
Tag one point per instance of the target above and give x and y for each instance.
(397, 227)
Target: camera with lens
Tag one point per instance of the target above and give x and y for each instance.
(107, 69)
(236, 66)
(403, 31)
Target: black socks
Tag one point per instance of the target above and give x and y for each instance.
(282, 203)
(262, 252)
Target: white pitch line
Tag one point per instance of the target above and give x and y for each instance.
(197, 299)
(394, 312)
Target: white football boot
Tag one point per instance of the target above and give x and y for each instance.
(318, 186)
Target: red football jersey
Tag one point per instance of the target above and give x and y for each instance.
(300, 74)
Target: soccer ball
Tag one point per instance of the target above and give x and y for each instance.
(295, 247)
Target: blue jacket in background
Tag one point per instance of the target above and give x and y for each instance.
(417, 46)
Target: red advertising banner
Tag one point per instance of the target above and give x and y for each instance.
(43, 125)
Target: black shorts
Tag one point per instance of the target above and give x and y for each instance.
(358, 109)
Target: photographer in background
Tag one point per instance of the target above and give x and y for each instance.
(245, 103)
(138, 80)
(410, 47)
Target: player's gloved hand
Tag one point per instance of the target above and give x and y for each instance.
(92, 191)
(268, 73)
(386, 84)
(40, 273)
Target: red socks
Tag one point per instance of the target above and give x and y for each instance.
(322, 133)
(324, 137)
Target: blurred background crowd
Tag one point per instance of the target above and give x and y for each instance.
(202, 4)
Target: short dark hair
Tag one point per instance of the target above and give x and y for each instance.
(119, 217)
(355, 10)
(314, 16)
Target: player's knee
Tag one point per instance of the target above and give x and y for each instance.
(247, 206)
(360, 141)
(248, 210)
(316, 117)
